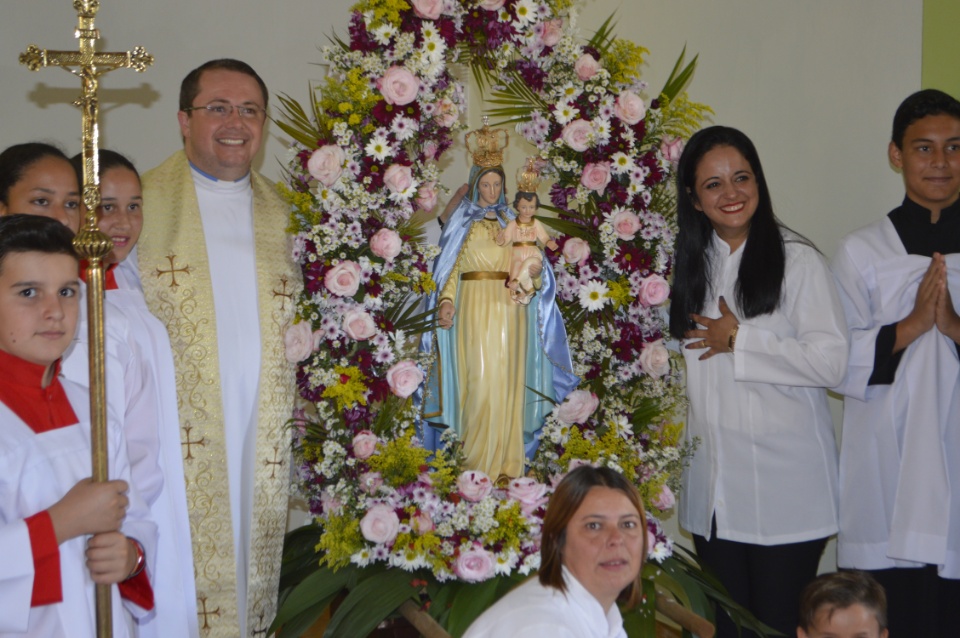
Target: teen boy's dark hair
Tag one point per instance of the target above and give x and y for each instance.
(32, 233)
(920, 105)
(841, 590)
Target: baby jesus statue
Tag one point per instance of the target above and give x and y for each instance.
(523, 233)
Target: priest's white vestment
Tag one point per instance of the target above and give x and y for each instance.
(235, 442)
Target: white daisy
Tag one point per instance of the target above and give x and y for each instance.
(379, 148)
(526, 11)
(593, 295)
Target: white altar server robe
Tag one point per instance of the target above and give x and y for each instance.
(36, 471)
(901, 442)
(766, 464)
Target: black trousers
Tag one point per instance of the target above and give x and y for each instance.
(766, 579)
(919, 602)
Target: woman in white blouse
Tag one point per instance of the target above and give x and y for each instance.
(763, 334)
(591, 552)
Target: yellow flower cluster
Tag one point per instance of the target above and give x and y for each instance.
(351, 389)
(682, 118)
(384, 11)
(399, 461)
(624, 61)
(611, 447)
(351, 98)
(340, 540)
(511, 527)
(304, 205)
(619, 292)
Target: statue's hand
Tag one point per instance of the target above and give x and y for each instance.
(445, 314)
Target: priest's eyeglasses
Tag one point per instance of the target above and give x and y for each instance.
(223, 110)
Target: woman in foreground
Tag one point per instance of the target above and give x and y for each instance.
(591, 554)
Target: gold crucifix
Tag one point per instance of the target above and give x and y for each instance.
(91, 244)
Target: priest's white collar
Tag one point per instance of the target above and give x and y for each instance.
(197, 171)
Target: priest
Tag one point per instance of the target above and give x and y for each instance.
(216, 271)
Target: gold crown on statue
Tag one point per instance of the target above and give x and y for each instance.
(528, 177)
(488, 151)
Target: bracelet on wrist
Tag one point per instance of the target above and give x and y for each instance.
(732, 339)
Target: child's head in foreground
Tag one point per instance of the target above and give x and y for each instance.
(848, 604)
(120, 215)
(39, 289)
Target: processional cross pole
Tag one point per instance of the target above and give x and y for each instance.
(91, 244)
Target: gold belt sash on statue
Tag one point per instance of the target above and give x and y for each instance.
(524, 243)
(484, 275)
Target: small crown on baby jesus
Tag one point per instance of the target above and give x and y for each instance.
(528, 177)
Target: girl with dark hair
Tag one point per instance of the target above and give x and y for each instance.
(37, 179)
(592, 549)
(763, 335)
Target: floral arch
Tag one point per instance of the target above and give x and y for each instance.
(362, 179)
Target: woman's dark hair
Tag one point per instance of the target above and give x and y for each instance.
(527, 197)
(762, 266)
(920, 105)
(107, 159)
(566, 500)
(16, 159)
(32, 233)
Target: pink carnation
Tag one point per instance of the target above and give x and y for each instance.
(364, 444)
(404, 377)
(427, 9)
(298, 342)
(655, 359)
(421, 523)
(427, 197)
(577, 407)
(399, 86)
(370, 482)
(358, 324)
(398, 178)
(626, 224)
(550, 31)
(596, 176)
(665, 499)
(386, 244)
(671, 148)
(474, 565)
(576, 250)
(586, 67)
(528, 492)
(343, 279)
(446, 113)
(629, 108)
(380, 524)
(577, 135)
(326, 164)
(474, 485)
(654, 290)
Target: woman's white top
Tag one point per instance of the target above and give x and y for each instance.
(766, 464)
(534, 611)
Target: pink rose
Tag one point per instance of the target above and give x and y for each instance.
(576, 250)
(492, 5)
(654, 290)
(404, 378)
(398, 178)
(380, 524)
(655, 359)
(446, 113)
(474, 565)
(430, 150)
(358, 324)
(550, 31)
(596, 176)
(370, 482)
(474, 485)
(399, 86)
(586, 67)
(626, 224)
(629, 108)
(326, 164)
(528, 492)
(386, 244)
(665, 499)
(671, 148)
(577, 407)
(330, 503)
(427, 197)
(364, 444)
(298, 342)
(577, 135)
(343, 279)
(421, 523)
(427, 9)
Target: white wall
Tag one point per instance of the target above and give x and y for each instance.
(814, 83)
